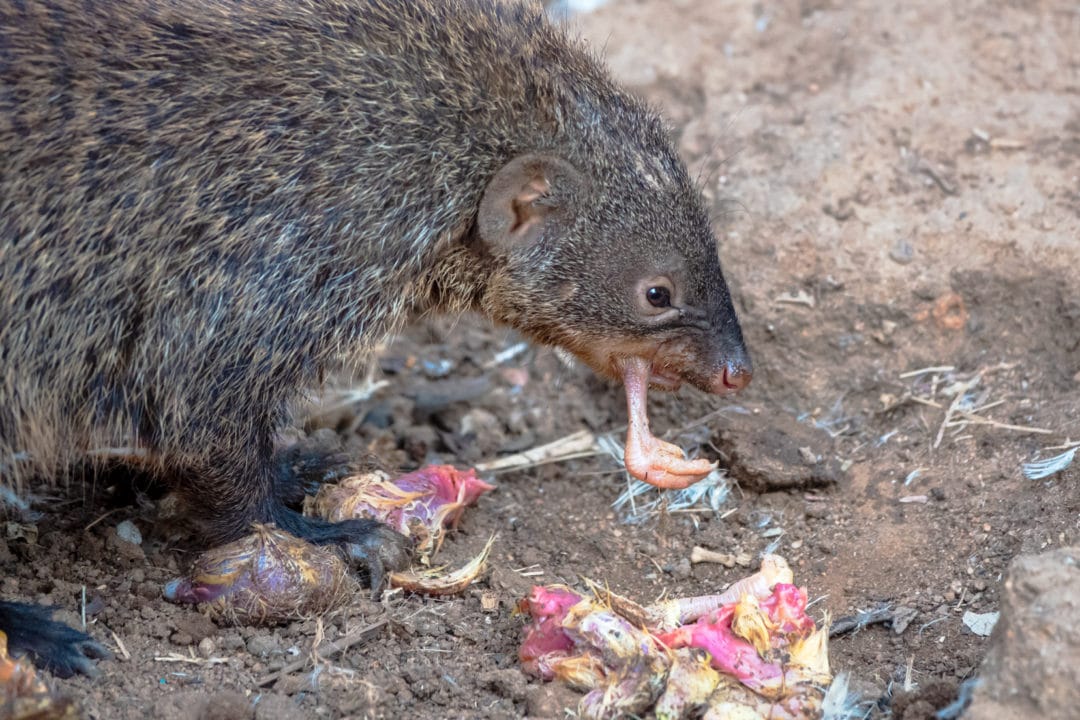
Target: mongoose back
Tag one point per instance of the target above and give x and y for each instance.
(205, 203)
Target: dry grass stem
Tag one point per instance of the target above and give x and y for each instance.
(346, 642)
(576, 445)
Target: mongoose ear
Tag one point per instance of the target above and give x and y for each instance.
(521, 196)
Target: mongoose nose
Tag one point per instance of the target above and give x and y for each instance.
(734, 377)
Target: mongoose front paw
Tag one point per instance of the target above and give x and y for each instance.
(53, 646)
(381, 551)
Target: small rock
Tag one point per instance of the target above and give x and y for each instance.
(159, 629)
(196, 704)
(429, 625)
(902, 617)
(180, 704)
(486, 428)
(1032, 669)
(226, 705)
(197, 625)
(263, 645)
(768, 451)
(129, 533)
(419, 440)
(928, 291)
(437, 368)
(277, 707)
(902, 252)
(366, 701)
(206, 648)
(230, 643)
(182, 639)
(149, 590)
(981, 623)
(509, 683)
(380, 416)
(123, 550)
(680, 570)
(649, 549)
(550, 700)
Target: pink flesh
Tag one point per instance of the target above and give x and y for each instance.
(786, 607)
(441, 485)
(730, 653)
(545, 638)
(441, 493)
(648, 457)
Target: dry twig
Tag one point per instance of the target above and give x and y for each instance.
(346, 642)
(576, 445)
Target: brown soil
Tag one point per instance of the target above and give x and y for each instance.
(897, 186)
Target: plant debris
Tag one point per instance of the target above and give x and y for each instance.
(419, 504)
(1041, 469)
(750, 652)
(440, 581)
(264, 578)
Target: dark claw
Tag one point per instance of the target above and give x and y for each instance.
(371, 544)
(381, 551)
(52, 646)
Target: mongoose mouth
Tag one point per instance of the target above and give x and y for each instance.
(664, 379)
(647, 457)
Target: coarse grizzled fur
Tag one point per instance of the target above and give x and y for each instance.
(204, 204)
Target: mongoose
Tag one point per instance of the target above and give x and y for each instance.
(205, 203)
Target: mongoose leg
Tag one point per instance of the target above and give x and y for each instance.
(370, 544)
(232, 494)
(52, 646)
(304, 466)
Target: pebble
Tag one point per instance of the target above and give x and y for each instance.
(182, 639)
(262, 645)
(509, 683)
(128, 532)
(550, 700)
(903, 252)
(226, 705)
(277, 707)
(206, 648)
(231, 642)
(680, 570)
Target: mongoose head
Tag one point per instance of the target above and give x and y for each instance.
(609, 253)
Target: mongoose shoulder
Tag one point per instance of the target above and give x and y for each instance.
(205, 203)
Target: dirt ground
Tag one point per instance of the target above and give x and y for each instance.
(896, 187)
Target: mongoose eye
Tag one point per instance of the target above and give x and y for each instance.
(658, 296)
